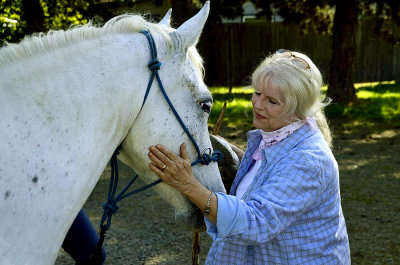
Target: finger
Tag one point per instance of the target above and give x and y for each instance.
(156, 170)
(156, 161)
(184, 153)
(168, 153)
(160, 156)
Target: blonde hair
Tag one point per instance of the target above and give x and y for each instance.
(301, 87)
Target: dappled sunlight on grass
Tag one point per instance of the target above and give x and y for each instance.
(238, 113)
(239, 107)
(375, 108)
(235, 90)
(376, 101)
(237, 94)
(376, 85)
(370, 94)
(236, 110)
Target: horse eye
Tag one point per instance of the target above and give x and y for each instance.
(206, 106)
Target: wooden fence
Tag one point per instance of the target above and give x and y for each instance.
(232, 51)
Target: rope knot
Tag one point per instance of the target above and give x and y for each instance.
(216, 156)
(110, 208)
(154, 65)
(205, 159)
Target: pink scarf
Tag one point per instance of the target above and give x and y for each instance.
(271, 138)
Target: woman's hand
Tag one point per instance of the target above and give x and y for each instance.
(177, 172)
(173, 170)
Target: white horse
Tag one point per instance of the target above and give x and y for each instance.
(68, 100)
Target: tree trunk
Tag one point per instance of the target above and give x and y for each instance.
(33, 15)
(341, 75)
(181, 11)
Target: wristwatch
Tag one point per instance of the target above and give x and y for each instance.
(207, 210)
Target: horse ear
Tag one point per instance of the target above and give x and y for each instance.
(189, 32)
(167, 18)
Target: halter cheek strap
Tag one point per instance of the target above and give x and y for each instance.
(154, 65)
(204, 157)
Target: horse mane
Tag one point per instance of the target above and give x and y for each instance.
(55, 39)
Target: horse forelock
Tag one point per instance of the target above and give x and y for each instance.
(55, 39)
(197, 60)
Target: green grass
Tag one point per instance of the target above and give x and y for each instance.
(377, 101)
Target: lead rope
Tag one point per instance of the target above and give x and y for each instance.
(111, 206)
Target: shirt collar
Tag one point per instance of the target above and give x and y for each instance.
(274, 137)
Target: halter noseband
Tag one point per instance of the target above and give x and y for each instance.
(204, 157)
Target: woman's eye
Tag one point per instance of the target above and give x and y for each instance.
(257, 93)
(206, 106)
(273, 102)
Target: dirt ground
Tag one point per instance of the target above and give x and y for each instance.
(144, 232)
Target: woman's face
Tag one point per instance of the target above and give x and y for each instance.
(268, 105)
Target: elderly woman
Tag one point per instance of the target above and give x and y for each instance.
(284, 204)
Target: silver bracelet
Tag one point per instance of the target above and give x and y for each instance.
(207, 210)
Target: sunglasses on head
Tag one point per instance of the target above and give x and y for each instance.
(299, 62)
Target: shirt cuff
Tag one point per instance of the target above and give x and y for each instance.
(231, 217)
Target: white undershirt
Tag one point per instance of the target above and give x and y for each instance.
(247, 179)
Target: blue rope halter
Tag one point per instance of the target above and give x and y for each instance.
(203, 158)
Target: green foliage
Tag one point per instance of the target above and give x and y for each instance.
(62, 14)
(225, 8)
(59, 14)
(11, 26)
(312, 16)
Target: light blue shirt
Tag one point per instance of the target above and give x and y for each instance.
(291, 212)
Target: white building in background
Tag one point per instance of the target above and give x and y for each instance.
(275, 17)
(250, 12)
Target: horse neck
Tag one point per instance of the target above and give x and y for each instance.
(95, 87)
(74, 106)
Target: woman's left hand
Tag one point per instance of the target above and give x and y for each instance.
(173, 170)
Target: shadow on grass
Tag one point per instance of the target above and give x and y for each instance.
(382, 88)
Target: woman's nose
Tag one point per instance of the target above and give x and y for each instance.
(259, 103)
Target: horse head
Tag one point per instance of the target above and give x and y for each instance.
(182, 77)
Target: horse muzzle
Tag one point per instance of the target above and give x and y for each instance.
(191, 219)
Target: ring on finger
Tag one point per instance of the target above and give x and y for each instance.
(163, 167)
